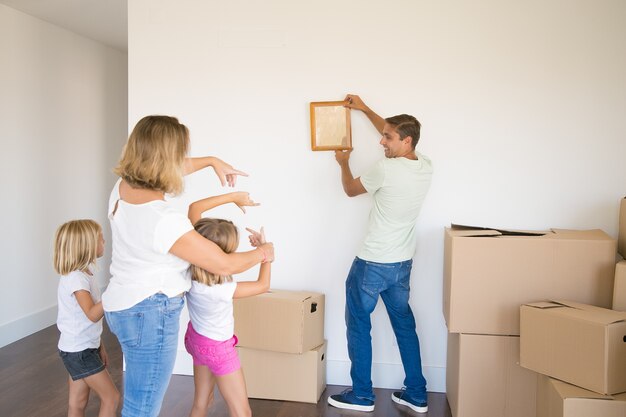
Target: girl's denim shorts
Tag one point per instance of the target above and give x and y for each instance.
(82, 364)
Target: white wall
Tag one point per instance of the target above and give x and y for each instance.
(63, 113)
(522, 105)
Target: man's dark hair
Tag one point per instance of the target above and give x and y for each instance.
(406, 125)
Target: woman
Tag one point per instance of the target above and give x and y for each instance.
(153, 245)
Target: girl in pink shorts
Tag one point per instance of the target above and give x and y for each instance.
(209, 338)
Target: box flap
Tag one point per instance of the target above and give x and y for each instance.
(591, 313)
(620, 397)
(469, 231)
(596, 314)
(571, 391)
(544, 304)
(592, 234)
(465, 230)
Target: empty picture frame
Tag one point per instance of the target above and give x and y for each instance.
(330, 126)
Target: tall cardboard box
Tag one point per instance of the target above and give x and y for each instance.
(579, 344)
(558, 399)
(488, 274)
(284, 376)
(484, 379)
(619, 289)
(622, 229)
(280, 321)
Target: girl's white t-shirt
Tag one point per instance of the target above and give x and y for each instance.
(211, 309)
(141, 264)
(77, 331)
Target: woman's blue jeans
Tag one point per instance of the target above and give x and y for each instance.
(148, 335)
(366, 281)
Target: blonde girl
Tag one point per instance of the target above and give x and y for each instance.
(77, 245)
(210, 335)
(153, 246)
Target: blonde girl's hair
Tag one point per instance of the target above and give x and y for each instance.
(154, 156)
(224, 234)
(76, 246)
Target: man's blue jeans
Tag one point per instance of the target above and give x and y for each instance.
(148, 335)
(366, 281)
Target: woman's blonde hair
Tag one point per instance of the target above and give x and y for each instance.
(154, 156)
(76, 246)
(224, 234)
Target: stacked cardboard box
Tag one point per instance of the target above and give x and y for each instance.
(577, 343)
(483, 377)
(488, 274)
(621, 246)
(581, 346)
(281, 345)
(619, 290)
(558, 399)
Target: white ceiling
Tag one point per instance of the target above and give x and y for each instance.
(105, 21)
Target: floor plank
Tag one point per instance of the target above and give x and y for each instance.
(33, 383)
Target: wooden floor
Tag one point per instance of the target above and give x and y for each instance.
(33, 383)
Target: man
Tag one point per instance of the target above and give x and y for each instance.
(398, 185)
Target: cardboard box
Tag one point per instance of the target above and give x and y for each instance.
(619, 287)
(579, 344)
(488, 274)
(621, 247)
(284, 376)
(558, 399)
(281, 321)
(484, 379)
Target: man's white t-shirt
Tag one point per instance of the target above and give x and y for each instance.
(398, 186)
(141, 264)
(211, 309)
(77, 331)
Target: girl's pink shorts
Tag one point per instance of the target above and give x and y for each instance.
(219, 356)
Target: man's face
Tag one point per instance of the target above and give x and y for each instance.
(393, 145)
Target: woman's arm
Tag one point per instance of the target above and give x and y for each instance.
(240, 198)
(225, 172)
(94, 312)
(261, 285)
(199, 251)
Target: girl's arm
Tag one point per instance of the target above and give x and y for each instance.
(199, 251)
(261, 285)
(240, 198)
(94, 312)
(225, 172)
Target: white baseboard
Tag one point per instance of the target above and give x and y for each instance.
(384, 375)
(25, 326)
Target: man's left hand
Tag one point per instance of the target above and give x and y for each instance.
(343, 156)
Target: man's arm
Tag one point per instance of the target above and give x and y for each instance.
(352, 186)
(354, 102)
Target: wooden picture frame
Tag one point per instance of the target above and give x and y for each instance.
(330, 126)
